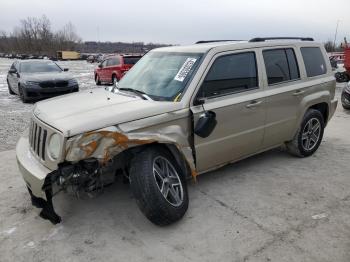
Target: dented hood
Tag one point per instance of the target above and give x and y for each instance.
(97, 108)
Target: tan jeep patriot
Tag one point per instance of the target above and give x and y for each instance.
(180, 111)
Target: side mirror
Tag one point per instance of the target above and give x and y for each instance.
(12, 71)
(205, 124)
(199, 101)
(65, 69)
(100, 66)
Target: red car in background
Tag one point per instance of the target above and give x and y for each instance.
(113, 68)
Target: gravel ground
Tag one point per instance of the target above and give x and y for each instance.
(271, 207)
(14, 115)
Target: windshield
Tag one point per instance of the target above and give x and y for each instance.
(161, 75)
(39, 67)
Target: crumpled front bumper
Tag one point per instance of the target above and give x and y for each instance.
(34, 175)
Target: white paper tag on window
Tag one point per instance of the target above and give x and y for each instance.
(185, 69)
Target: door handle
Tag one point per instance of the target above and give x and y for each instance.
(298, 93)
(253, 104)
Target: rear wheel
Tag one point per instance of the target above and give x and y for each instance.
(9, 87)
(159, 186)
(97, 80)
(114, 79)
(309, 135)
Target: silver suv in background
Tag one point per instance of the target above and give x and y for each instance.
(179, 112)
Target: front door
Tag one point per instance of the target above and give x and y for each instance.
(232, 90)
(103, 71)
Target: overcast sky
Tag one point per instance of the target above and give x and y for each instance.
(185, 21)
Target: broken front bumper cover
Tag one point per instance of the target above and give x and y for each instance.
(43, 184)
(35, 176)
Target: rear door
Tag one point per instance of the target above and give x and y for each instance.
(232, 90)
(284, 92)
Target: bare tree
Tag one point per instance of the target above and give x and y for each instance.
(35, 36)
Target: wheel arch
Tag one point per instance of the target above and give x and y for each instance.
(171, 148)
(323, 108)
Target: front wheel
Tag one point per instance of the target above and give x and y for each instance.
(22, 95)
(159, 186)
(114, 80)
(9, 87)
(309, 135)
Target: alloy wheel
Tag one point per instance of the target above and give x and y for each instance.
(311, 134)
(168, 181)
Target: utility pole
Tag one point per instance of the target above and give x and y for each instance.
(335, 35)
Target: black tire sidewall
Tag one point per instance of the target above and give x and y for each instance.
(97, 80)
(114, 77)
(310, 114)
(145, 189)
(9, 87)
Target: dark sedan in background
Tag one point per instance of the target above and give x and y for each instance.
(39, 79)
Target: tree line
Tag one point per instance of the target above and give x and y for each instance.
(35, 36)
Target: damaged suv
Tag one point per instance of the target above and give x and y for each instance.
(179, 112)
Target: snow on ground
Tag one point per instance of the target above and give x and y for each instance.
(14, 115)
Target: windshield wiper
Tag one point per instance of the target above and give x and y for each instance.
(141, 94)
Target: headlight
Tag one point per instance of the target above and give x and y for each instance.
(54, 146)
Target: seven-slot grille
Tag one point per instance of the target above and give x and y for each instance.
(37, 139)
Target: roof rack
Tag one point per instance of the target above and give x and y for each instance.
(263, 39)
(213, 41)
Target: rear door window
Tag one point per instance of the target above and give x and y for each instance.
(231, 74)
(314, 61)
(281, 65)
(131, 60)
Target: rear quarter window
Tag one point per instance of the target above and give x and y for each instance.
(315, 64)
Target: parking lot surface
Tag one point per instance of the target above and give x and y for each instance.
(269, 207)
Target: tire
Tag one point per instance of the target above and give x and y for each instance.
(341, 77)
(345, 102)
(22, 95)
(303, 143)
(114, 79)
(9, 87)
(97, 80)
(145, 183)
